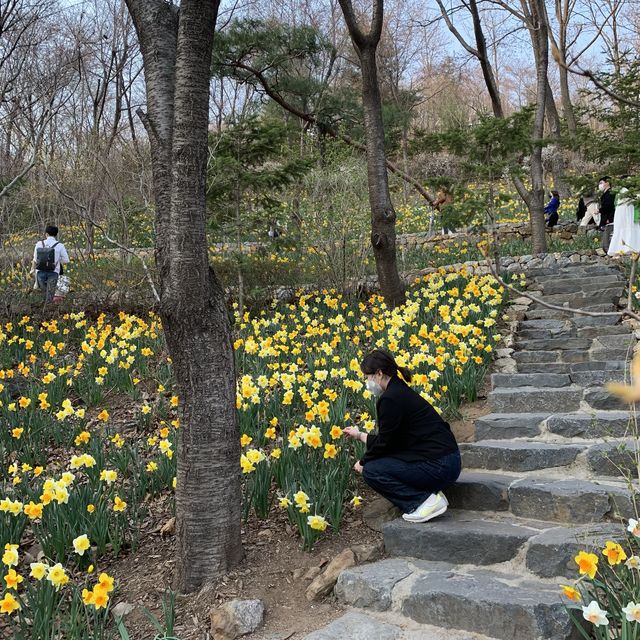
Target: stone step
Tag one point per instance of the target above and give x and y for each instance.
(607, 330)
(571, 285)
(617, 459)
(594, 321)
(551, 553)
(546, 334)
(381, 625)
(553, 344)
(503, 426)
(600, 365)
(542, 367)
(599, 398)
(516, 455)
(572, 271)
(502, 605)
(578, 299)
(536, 356)
(620, 341)
(610, 353)
(598, 424)
(543, 312)
(486, 538)
(510, 380)
(460, 537)
(550, 499)
(598, 377)
(532, 399)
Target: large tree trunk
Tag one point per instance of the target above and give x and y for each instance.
(177, 52)
(539, 37)
(383, 215)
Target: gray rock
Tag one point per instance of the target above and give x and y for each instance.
(121, 610)
(370, 586)
(600, 365)
(610, 353)
(571, 356)
(535, 356)
(236, 618)
(530, 380)
(532, 399)
(597, 321)
(356, 626)
(576, 501)
(500, 426)
(543, 367)
(617, 459)
(551, 553)
(602, 399)
(517, 456)
(598, 424)
(553, 344)
(379, 511)
(457, 538)
(601, 377)
(479, 491)
(488, 603)
(616, 341)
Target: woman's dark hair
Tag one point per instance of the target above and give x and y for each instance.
(382, 360)
(556, 194)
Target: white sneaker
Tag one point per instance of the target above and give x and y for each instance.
(443, 497)
(429, 509)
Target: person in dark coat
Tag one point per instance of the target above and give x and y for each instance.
(607, 202)
(414, 455)
(551, 210)
(581, 209)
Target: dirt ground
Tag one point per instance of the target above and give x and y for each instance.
(272, 553)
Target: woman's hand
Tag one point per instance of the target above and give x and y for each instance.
(355, 433)
(357, 467)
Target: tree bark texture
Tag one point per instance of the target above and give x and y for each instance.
(176, 50)
(383, 215)
(485, 63)
(539, 36)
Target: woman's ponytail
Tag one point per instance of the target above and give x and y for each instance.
(406, 374)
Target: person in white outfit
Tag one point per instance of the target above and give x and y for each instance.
(626, 231)
(48, 257)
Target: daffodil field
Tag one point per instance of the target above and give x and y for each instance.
(90, 416)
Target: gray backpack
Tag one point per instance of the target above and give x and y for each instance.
(46, 257)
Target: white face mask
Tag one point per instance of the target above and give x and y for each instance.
(374, 388)
(601, 186)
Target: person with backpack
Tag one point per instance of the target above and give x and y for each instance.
(48, 257)
(414, 455)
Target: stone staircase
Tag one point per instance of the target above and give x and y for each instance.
(541, 481)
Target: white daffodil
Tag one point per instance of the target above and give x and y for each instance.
(594, 614)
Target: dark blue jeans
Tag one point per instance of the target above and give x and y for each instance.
(47, 281)
(409, 484)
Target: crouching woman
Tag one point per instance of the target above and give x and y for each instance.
(414, 455)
